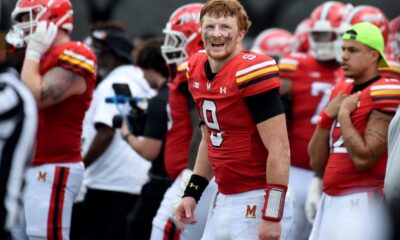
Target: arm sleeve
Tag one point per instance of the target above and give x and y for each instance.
(184, 89)
(257, 105)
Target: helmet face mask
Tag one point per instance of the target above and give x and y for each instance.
(174, 48)
(324, 37)
(182, 34)
(28, 13)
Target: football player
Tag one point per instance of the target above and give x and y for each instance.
(61, 75)
(307, 78)
(273, 42)
(350, 141)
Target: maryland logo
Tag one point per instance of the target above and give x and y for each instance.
(42, 176)
(251, 211)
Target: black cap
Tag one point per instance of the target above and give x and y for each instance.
(118, 42)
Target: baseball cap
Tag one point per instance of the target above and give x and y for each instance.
(369, 35)
(117, 41)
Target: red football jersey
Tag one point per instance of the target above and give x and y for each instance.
(393, 70)
(311, 86)
(180, 129)
(236, 152)
(60, 126)
(341, 175)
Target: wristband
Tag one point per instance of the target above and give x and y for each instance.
(274, 202)
(195, 187)
(324, 121)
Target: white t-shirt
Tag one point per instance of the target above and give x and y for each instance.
(119, 168)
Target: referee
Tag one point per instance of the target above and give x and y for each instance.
(18, 123)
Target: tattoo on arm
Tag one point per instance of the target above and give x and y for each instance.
(55, 83)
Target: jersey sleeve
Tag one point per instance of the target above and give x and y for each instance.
(288, 67)
(386, 97)
(78, 59)
(258, 77)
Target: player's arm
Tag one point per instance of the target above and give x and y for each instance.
(53, 87)
(318, 147)
(101, 141)
(150, 144)
(365, 150)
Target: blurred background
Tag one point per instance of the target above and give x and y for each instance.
(149, 16)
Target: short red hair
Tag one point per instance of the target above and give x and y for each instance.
(226, 8)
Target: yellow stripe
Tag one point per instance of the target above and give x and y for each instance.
(390, 68)
(77, 62)
(385, 92)
(287, 66)
(257, 73)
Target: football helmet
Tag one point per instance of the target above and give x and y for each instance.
(273, 42)
(394, 36)
(325, 22)
(58, 12)
(300, 36)
(182, 34)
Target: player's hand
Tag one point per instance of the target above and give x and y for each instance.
(313, 197)
(183, 179)
(333, 107)
(41, 40)
(124, 128)
(349, 104)
(269, 230)
(185, 212)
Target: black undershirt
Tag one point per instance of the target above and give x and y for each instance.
(262, 106)
(362, 86)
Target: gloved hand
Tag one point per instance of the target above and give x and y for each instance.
(41, 40)
(313, 197)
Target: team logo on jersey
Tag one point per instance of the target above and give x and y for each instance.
(250, 57)
(222, 90)
(42, 176)
(251, 211)
(196, 84)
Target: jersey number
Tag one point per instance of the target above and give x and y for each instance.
(316, 89)
(338, 145)
(211, 120)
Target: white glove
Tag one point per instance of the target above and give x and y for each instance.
(313, 197)
(41, 40)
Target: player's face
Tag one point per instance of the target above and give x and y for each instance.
(357, 58)
(221, 36)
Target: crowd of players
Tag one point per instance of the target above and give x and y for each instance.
(132, 179)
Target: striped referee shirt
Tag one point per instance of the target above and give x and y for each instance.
(18, 124)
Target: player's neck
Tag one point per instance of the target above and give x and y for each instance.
(61, 38)
(367, 76)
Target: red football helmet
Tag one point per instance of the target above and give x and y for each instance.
(300, 38)
(325, 22)
(182, 34)
(394, 36)
(273, 42)
(58, 12)
(366, 13)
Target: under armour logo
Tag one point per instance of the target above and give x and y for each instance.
(42, 176)
(251, 211)
(222, 90)
(191, 185)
